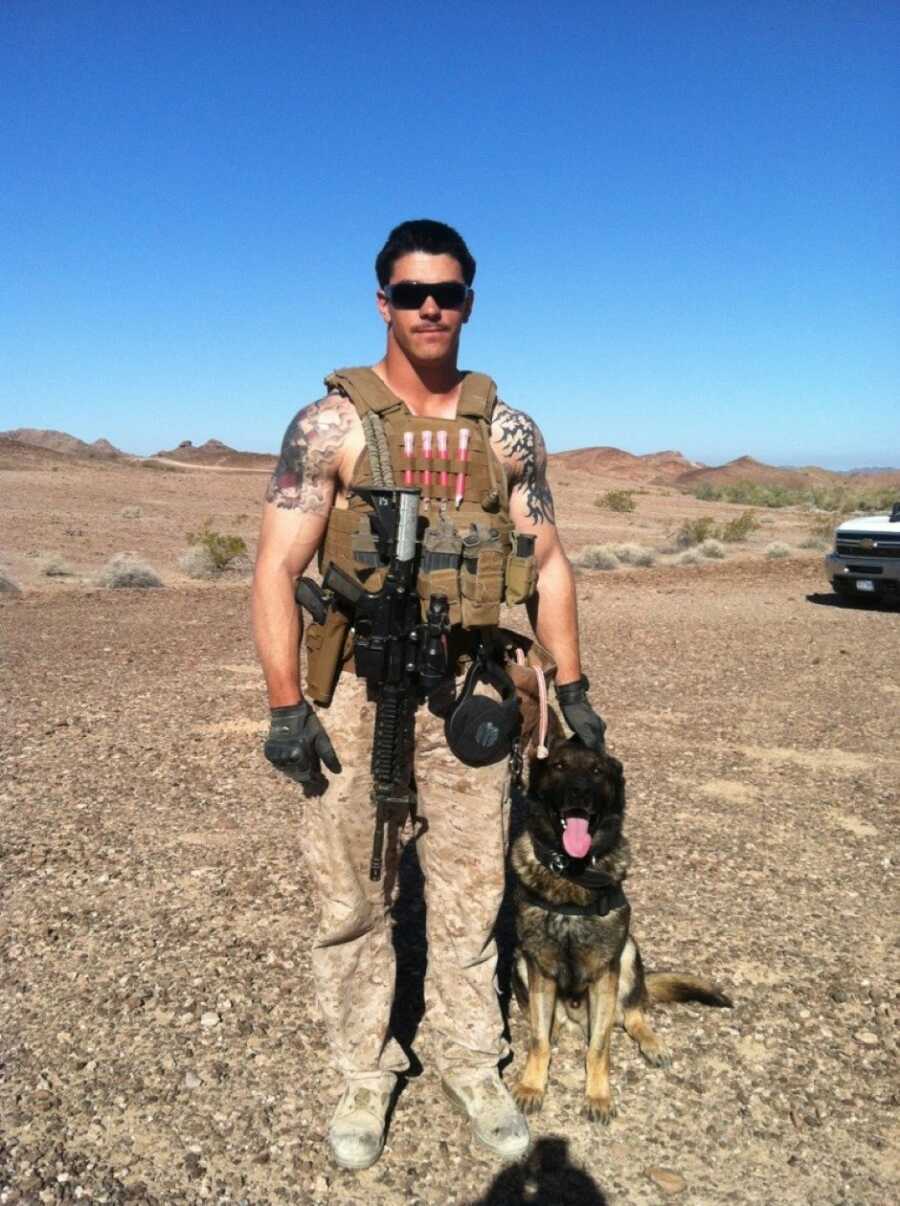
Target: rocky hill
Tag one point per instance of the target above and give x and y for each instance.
(215, 453)
(747, 469)
(659, 467)
(61, 441)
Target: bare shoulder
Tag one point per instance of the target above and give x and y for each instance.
(518, 442)
(316, 445)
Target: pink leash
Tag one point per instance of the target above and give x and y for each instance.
(542, 750)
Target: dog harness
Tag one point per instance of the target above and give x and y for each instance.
(608, 894)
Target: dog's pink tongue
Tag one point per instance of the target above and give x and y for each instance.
(576, 839)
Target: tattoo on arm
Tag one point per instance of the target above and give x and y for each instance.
(525, 455)
(309, 455)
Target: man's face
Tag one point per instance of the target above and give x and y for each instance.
(428, 334)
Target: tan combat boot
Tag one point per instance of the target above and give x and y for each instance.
(356, 1134)
(497, 1122)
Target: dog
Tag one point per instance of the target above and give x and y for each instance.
(576, 958)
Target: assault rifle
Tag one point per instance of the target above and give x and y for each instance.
(402, 659)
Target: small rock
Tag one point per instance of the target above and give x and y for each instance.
(209, 1019)
(668, 1180)
(321, 1185)
(867, 1038)
(191, 1080)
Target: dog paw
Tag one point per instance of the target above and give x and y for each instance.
(658, 1056)
(528, 1100)
(599, 1109)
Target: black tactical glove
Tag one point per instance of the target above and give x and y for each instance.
(295, 744)
(580, 716)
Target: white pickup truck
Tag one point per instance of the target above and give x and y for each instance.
(865, 561)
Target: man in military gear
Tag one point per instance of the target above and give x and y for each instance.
(489, 538)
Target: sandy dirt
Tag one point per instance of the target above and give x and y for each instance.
(158, 1038)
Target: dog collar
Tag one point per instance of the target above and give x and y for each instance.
(605, 901)
(576, 870)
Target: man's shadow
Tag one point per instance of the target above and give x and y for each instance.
(546, 1177)
(410, 943)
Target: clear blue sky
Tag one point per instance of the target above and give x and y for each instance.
(685, 214)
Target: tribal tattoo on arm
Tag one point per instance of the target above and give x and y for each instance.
(309, 455)
(524, 455)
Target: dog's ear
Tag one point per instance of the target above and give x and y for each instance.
(618, 776)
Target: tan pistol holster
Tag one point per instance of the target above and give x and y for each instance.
(467, 552)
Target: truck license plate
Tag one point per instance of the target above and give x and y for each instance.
(865, 584)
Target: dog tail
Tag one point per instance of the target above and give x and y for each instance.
(663, 987)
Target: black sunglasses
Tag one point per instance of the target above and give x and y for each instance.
(411, 295)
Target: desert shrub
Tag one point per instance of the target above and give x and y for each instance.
(822, 528)
(776, 550)
(695, 531)
(131, 513)
(712, 548)
(197, 562)
(689, 557)
(239, 565)
(221, 548)
(8, 584)
(159, 467)
(738, 528)
(598, 557)
(616, 500)
(812, 541)
(125, 569)
(635, 554)
(53, 565)
(831, 497)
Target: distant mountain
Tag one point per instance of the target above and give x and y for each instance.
(61, 441)
(15, 454)
(747, 469)
(869, 471)
(214, 452)
(660, 467)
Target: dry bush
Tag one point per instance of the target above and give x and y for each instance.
(197, 562)
(131, 513)
(240, 566)
(616, 500)
(820, 543)
(776, 550)
(159, 467)
(221, 548)
(738, 528)
(598, 557)
(635, 554)
(823, 527)
(713, 548)
(125, 569)
(695, 531)
(8, 584)
(689, 557)
(54, 565)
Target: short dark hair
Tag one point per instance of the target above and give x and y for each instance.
(422, 234)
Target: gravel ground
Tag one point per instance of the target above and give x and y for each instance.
(158, 1039)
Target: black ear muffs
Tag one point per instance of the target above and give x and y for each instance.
(481, 730)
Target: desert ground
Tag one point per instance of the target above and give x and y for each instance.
(159, 1043)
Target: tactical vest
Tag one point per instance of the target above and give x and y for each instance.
(467, 550)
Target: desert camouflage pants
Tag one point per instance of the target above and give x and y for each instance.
(462, 826)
